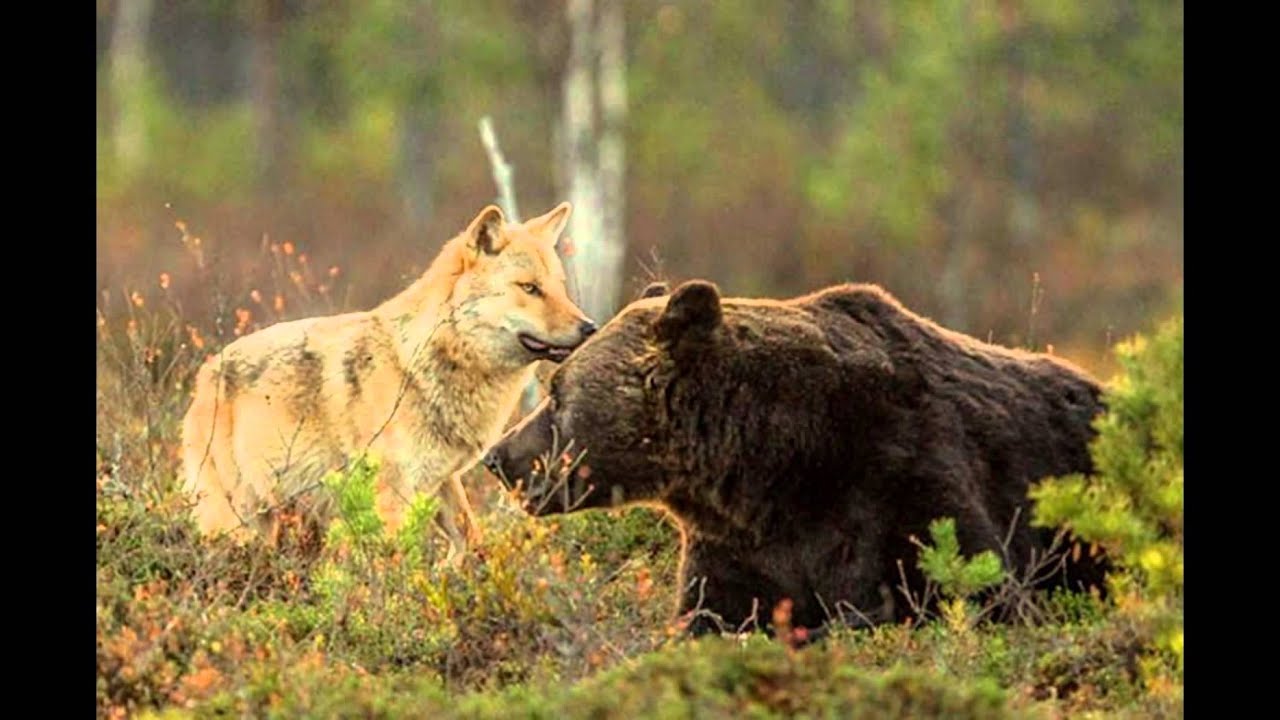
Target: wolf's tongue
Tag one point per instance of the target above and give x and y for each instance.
(532, 344)
(558, 353)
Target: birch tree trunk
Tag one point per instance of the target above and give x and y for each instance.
(592, 133)
(592, 157)
(611, 242)
(578, 135)
(128, 68)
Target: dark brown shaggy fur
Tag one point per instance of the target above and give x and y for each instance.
(801, 443)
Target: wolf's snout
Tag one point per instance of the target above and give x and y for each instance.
(587, 328)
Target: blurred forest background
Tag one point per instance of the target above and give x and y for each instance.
(1011, 169)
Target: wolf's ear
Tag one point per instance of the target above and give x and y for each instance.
(552, 224)
(486, 230)
(693, 312)
(654, 289)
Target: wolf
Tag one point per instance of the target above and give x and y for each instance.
(425, 381)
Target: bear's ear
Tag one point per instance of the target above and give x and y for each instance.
(485, 231)
(654, 289)
(693, 310)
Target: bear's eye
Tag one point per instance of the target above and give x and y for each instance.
(531, 288)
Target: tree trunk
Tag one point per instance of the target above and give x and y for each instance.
(612, 240)
(594, 161)
(578, 135)
(956, 207)
(128, 68)
(420, 113)
(417, 165)
(1024, 212)
(265, 96)
(870, 31)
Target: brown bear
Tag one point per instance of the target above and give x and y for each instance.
(801, 444)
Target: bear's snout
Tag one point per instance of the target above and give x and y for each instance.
(519, 453)
(493, 462)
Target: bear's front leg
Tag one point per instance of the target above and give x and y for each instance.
(720, 594)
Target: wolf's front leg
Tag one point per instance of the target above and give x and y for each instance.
(393, 496)
(457, 520)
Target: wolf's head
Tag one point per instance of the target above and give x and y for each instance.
(512, 299)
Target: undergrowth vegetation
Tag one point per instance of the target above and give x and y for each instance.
(573, 616)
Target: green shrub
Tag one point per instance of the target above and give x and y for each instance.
(354, 492)
(1132, 505)
(958, 579)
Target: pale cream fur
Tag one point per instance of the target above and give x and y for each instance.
(425, 381)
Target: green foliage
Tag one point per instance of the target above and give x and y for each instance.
(618, 535)
(412, 538)
(206, 155)
(388, 599)
(891, 165)
(1074, 608)
(961, 121)
(1133, 503)
(956, 576)
(361, 151)
(353, 490)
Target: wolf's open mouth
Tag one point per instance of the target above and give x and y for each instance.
(556, 353)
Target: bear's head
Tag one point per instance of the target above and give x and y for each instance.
(679, 399)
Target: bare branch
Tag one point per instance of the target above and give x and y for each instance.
(502, 174)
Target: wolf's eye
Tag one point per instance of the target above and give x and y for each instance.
(531, 288)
